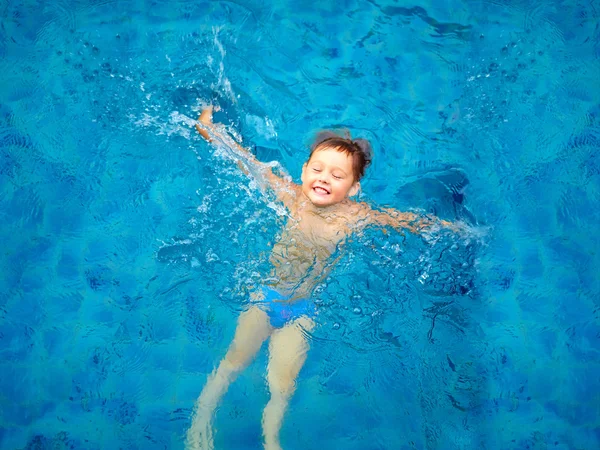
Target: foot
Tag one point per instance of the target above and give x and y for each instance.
(199, 435)
(272, 444)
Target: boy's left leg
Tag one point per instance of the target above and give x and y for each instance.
(287, 352)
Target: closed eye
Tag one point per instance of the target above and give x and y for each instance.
(316, 170)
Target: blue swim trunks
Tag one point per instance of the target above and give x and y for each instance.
(281, 311)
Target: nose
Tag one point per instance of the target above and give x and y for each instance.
(324, 177)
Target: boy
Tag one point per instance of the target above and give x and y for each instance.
(321, 216)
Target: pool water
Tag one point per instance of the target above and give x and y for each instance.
(129, 243)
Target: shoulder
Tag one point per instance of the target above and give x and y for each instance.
(287, 192)
(359, 214)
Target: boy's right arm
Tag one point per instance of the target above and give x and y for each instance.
(207, 129)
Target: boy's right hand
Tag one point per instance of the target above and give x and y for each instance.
(205, 119)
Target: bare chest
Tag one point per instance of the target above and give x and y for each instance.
(308, 237)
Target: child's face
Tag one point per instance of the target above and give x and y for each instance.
(327, 177)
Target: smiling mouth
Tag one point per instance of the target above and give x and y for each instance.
(321, 191)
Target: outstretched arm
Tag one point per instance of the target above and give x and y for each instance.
(405, 220)
(246, 161)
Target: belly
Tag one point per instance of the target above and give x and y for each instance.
(294, 275)
(301, 259)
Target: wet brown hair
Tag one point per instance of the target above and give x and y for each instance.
(359, 149)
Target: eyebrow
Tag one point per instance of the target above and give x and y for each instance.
(334, 167)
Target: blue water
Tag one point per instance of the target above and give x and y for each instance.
(128, 242)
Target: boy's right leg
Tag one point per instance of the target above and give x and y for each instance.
(252, 330)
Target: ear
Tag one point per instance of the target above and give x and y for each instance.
(303, 170)
(354, 189)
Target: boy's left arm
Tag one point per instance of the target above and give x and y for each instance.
(389, 217)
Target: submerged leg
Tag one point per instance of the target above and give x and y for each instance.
(252, 330)
(287, 353)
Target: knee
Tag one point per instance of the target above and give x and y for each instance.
(282, 382)
(236, 360)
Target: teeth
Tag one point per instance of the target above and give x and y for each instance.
(320, 189)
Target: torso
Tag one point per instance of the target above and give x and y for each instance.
(302, 257)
